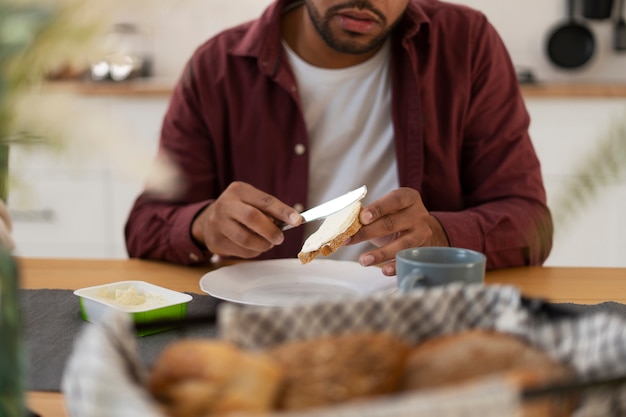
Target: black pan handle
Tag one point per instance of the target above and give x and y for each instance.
(571, 9)
(619, 32)
(620, 10)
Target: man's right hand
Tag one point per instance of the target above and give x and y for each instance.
(242, 222)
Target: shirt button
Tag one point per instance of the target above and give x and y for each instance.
(299, 207)
(300, 149)
(293, 89)
(194, 257)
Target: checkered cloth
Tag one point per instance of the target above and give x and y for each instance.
(104, 375)
(414, 317)
(104, 369)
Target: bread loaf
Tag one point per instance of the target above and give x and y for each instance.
(199, 378)
(462, 356)
(333, 233)
(336, 369)
(205, 378)
(470, 355)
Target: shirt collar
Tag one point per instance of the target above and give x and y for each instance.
(414, 18)
(263, 37)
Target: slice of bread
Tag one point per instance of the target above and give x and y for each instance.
(333, 232)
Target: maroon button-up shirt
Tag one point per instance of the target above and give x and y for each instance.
(460, 124)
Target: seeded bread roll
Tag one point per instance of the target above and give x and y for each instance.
(333, 233)
(331, 370)
(470, 355)
(201, 378)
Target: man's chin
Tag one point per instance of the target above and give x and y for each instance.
(354, 43)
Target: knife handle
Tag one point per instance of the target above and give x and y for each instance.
(285, 226)
(282, 225)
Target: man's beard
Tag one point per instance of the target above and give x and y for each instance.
(347, 46)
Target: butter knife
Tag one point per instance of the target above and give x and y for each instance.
(330, 207)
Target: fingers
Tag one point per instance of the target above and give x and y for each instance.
(258, 200)
(234, 239)
(391, 216)
(5, 216)
(242, 222)
(395, 222)
(389, 269)
(6, 240)
(405, 240)
(392, 202)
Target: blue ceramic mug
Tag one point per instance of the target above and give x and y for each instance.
(432, 266)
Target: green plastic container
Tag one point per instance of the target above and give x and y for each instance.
(145, 302)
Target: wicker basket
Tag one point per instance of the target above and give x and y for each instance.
(105, 377)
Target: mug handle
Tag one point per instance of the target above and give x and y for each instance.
(410, 280)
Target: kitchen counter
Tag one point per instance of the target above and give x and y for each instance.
(163, 87)
(555, 90)
(140, 87)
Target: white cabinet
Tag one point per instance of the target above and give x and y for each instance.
(141, 119)
(59, 215)
(566, 133)
(73, 202)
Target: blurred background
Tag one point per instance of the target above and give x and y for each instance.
(74, 202)
(524, 25)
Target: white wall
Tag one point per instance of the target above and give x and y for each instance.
(523, 24)
(176, 30)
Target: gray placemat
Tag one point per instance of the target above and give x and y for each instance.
(52, 320)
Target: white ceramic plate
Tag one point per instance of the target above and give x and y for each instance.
(283, 282)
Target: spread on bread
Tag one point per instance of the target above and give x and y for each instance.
(197, 378)
(333, 233)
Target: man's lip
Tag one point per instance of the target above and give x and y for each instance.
(357, 21)
(359, 15)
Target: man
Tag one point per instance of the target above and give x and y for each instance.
(417, 99)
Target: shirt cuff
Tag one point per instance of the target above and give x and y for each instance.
(462, 229)
(181, 240)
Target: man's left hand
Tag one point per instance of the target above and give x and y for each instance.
(395, 222)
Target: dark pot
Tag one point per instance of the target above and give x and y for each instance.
(571, 44)
(597, 9)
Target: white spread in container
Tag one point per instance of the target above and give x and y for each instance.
(130, 297)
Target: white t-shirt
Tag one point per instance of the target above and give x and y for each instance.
(351, 139)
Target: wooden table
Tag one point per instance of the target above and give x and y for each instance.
(577, 285)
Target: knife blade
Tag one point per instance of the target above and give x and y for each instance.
(330, 207)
